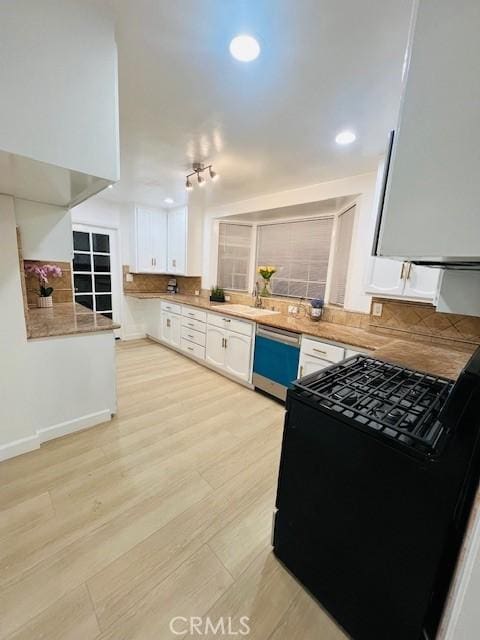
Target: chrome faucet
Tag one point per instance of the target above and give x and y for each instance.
(256, 295)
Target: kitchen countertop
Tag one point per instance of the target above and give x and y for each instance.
(65, 319)
(435, 358)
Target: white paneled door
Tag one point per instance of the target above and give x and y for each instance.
(96, 271)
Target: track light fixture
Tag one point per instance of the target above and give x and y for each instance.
(198, 169)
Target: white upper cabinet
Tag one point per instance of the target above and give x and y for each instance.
(59, 139)
(395, 279)
(150, 237)
(177, 242)
(166, 242)
(433, 190)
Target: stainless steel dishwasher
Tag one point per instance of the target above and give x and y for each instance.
(275, 363)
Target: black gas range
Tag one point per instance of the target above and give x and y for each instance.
(380, 465)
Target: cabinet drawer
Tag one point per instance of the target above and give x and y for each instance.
(191, 323)
(194, 336)
(171, 307)
(196, 314)
(192, 349)
(322, 350)
(232, 324)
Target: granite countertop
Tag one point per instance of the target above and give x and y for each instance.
(433, 357)
(65, 319)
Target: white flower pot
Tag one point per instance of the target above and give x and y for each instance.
(44, 302)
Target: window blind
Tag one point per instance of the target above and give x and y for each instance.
(234, 247)
(300, 251)
(341, 258)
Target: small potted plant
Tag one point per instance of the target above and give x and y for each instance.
(217, 294)
(42, 273)
(316, 308)
(266, 273)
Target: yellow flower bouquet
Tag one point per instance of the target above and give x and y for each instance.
(266, 272)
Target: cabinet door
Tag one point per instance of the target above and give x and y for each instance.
(153, 318)
(158, 239)
(176, 330)
(166, 327)
(310, 364)
(215, 351)
(421, 282)
(385, 277)
(177, 241)
(238, 355)
(143, 241)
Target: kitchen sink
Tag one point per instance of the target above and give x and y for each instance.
(246, 310)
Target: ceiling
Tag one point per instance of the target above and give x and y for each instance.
(268, 125)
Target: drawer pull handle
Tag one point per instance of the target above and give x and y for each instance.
(190, 336)
(190, 348)
(226, 320)
(320, 351)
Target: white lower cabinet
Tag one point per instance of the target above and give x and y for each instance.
(316, 355)
(171, 328)
(230, 350)
(309, 364)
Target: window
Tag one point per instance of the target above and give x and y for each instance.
(91, 271)
(300, 251)
(341, 258)
(234, 256)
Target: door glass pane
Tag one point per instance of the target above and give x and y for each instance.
(81, 241)
(83, 283)
(103, 283)
(101, 263)
(81, 262)
(101, 242)
(103, 303)
(85, 301)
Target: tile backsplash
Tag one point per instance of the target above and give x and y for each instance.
(424, 320)
(157, 283)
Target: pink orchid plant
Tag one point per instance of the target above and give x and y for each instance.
(42, 273)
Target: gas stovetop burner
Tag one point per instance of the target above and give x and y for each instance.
(400, 403)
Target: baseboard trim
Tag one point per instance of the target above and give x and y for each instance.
(65, 428)
(24, 445)
(17, 447)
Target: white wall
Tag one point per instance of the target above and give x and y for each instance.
(46, 231)
(16, 417)
(48, 387)
(58, 79)
(364, 187)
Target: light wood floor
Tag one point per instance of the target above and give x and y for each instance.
(165, 511)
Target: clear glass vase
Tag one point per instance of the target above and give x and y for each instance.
(266, 292)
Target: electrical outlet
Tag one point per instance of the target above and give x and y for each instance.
(227, 298)
(294, 309)
(377, 309)
(197, 292)
(129, 277)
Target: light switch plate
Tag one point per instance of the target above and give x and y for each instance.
(129, 277)
(227, 298)
(377, 309)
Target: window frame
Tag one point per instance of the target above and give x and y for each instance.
(254, 246)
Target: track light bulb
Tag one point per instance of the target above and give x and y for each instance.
(213, 174)
(188, 185)
(201, 180)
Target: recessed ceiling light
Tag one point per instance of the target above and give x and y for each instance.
(244, 48)
(168, 201)
(345, 137)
